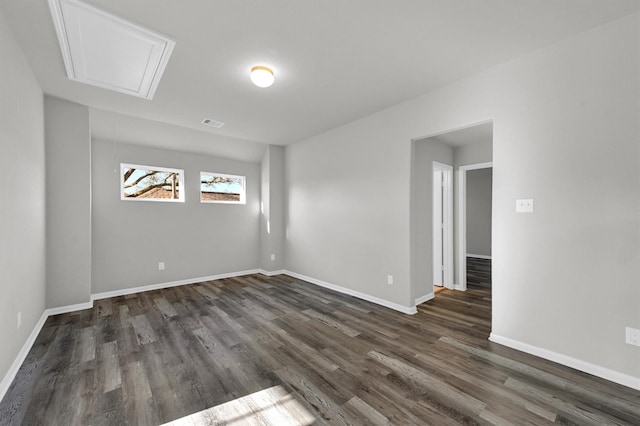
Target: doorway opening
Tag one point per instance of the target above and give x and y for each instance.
(474, 223)
(435, 164)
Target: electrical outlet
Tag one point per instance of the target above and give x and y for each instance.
(524, 205)
(19, 322)
(160, 266)
(390, 279)
(632, 336)
(273, 257)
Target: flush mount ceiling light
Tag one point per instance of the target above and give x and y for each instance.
(106, 51)
(262, 76)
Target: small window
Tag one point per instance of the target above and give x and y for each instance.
(219, 188)
(150, 183)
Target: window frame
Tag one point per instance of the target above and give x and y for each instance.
(243, 191)
(181, 186)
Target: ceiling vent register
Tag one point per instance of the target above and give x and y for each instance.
(212, 123)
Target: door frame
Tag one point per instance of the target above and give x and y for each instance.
(462, 220)
(445, 203)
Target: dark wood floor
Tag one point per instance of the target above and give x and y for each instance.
(478, 273)
(259, 350)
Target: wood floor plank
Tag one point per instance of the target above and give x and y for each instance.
(481, 382)
(103, 307)
(87, 341)
(611, 401)
(140, 407)
(143, 329)
(326, 319)
(167, 309)
(276, 350)
(428, 383)
(111, 376)
(325, 406)
(369, 414)
(478, 272)
(586, 417)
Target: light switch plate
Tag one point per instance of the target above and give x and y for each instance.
(524, 205)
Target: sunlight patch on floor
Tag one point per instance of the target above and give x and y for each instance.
(272, 406)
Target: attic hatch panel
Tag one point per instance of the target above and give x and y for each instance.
(103, 50)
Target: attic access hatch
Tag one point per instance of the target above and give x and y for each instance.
(103, 50)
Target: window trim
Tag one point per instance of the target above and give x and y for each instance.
(181, 186)
(243, 192)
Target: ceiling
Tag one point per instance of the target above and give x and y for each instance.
(335, 61)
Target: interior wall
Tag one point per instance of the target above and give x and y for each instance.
(265, 204)
(567, 136)
(22, 210)
(473, 153)
(425, 152)
(68, 184)
(348, 211)
(565, 133)
(193, 239)
(478, 204)
(272, 208)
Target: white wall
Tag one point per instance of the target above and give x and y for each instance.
(347, 213)
(565, 133)
(68, 171)
(193, 239)
(478, 204)
(22, 209)
(473, 153)
(272, 209)
(425, 152)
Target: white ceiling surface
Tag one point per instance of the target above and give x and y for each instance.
(334, 60)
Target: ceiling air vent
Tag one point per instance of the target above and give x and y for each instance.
(212, 123)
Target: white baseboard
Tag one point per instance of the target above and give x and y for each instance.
(459, 287)
(132, 290)
(478, 256)
(68, 308)
(578, 364)
(410, 310)
(271, 273)
(424, 298)
(22, 355)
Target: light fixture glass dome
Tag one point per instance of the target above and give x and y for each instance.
(262, 76)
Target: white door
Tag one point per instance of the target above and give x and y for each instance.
(442, 225)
